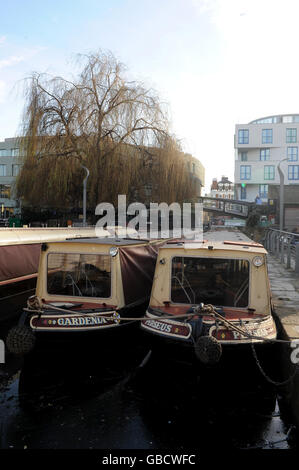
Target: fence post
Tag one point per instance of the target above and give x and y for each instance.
(297, 258)
(277, 245)
(289, 253)
(282, 251)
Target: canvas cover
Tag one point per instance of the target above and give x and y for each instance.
(18, 260)
(137, 268)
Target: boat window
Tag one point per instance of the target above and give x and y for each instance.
(79, 275)
(221, 282)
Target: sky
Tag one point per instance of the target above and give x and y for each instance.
(216, 63)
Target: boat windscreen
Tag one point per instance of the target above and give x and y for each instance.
(76, 275)
(221, 282)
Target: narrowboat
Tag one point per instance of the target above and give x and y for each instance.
(209, 296)
(87, 288)
(19, 260)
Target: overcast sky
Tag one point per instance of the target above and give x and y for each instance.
(216, 62)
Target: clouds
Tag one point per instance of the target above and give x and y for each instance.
(218, 62)
(256, 73)
(10, 61)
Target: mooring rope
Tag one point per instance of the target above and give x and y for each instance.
(36, 305)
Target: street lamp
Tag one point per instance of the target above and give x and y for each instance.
(281, 196)
(84, 194)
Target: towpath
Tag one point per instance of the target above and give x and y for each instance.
(285, 297)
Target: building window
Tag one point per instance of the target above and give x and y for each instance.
(245, 172)
(267, 136)
(2, 170)
(4, 153)
(243, 192)
(292, 153)
(293, 172)
(16, 170)
(4, 191)
(15, 152)
(244, 157)
(264, 154)
(263, 191)
(291, 135)
(269, 172)
(243, 136)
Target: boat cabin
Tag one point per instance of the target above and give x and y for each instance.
(89, 284)
(225, 273)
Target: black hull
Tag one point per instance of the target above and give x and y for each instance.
(165, 349)
(121, 340)
(13, 298)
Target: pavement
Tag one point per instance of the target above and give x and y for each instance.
(285, 296)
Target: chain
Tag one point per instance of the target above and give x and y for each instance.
(273, 382)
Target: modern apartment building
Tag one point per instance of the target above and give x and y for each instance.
(10, 165)
(260, 147)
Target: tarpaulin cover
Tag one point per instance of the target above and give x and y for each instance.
(18, 260)
(137, 268)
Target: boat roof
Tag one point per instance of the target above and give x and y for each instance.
(32, 235)
(218, 240)
(105, 241)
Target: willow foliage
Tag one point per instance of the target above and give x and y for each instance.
(117, 128)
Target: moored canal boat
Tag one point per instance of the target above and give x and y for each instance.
(87, 288)
(19, 260)
(209, 296)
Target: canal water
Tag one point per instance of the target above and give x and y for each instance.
(88, 401)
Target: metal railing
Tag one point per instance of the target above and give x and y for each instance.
(284, 246)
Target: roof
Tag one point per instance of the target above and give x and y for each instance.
(104, 241)
(219, 240)
(21, 236)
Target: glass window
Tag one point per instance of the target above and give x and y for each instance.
(243, 136)
(79, 275)
(222, 282)
(243, 192)
(269, 172)
(245, 172)
(5, 191)
(291, 135)
(16, 170)
(264, 154)
(293, 172)
(244, 157)
(5, 153)
(2, 170)
(263, 190)
(292, 153)
(267, 136)
(15, 152)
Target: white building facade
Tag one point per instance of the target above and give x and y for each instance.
(10, 164)
(259, 147)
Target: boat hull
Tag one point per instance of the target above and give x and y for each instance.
(171, 344)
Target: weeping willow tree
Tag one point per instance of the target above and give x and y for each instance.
(117, 128)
